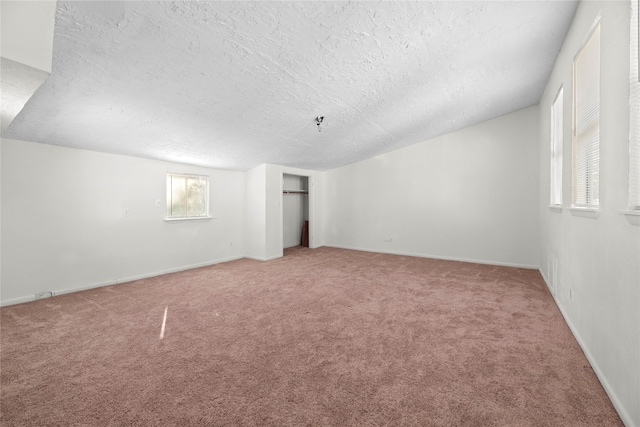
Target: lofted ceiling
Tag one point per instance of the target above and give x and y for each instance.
(236, 84)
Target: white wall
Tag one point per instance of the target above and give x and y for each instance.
(64, 228)
(466, 195)
(255, 215)
(598, 259)
(27, 32)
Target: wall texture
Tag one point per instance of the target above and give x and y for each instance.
(64, 227)
(467, 195)
(598, 258)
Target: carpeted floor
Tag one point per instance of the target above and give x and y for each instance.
(323, 337)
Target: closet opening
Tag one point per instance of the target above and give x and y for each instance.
(295, 211)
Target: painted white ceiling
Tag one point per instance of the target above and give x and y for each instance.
(236, 84)
(18, 82)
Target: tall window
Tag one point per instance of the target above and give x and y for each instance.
(585, 144)
(634, 118)
(556, 149)
(187, 196)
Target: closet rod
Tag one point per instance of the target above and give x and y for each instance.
(295, 192)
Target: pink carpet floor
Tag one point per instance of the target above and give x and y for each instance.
(322, 337)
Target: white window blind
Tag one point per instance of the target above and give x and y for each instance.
(634, 110)
(556, 150)
(585, 144)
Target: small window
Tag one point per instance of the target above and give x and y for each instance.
(187, 196)
(634, 110)
(585, 144)
(556, 149)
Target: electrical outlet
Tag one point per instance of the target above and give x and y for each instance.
(388, 239)
(158, 203)
(126, 212)
(231, 243)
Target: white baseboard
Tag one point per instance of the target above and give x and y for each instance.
(420, 255)
(617, 404)
(259, 258)
(30, 298)
(546, 282)
(19, 300)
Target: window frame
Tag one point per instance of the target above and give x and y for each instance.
(633, 203)
(556, 149)
(169, 200)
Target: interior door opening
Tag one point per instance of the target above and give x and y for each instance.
(295, 211)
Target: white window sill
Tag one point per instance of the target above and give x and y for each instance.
(630, 212)
(195, 218)
(555, 208)
(632, 216)
(585, 212)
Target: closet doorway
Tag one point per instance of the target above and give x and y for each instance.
(295, 210)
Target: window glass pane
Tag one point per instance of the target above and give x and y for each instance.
(196, 201)
(178, 196)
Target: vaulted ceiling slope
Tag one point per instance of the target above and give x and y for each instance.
(236, 84)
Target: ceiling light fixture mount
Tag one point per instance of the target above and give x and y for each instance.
(319, 120)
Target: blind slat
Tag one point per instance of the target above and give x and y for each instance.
(585, 144)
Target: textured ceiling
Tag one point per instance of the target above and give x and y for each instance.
(236, 84)
(18, 82)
